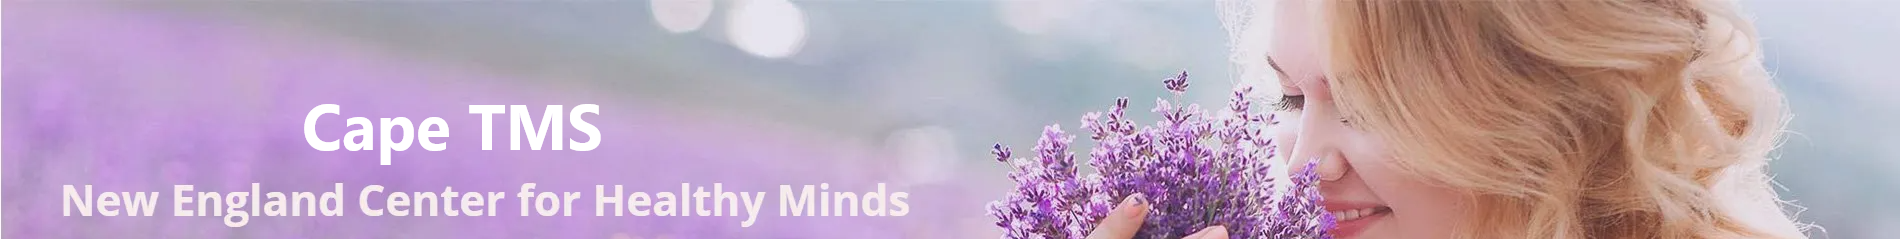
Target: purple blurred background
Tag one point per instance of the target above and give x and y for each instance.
(133, 99)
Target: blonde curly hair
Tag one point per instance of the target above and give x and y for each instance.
(1570, 119)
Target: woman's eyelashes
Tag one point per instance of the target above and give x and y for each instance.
(1290, 103)
(1296, 103)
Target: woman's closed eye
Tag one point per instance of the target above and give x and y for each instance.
(1290, 103)
(1297, 103)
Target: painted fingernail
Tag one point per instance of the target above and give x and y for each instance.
(1138, 199)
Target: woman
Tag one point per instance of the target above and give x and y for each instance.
(1526, 119)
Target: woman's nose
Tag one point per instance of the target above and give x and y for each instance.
(1319, 142)
(1331, 165)
(1330, 168)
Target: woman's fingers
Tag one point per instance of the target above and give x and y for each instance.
(1124, 220)
(1213, 232)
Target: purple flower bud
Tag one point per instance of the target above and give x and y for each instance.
(1178, 84)
(1001, 152)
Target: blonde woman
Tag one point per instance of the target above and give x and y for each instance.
(1526, 119)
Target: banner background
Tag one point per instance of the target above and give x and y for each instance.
(139, 96)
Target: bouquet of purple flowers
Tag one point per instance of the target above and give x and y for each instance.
(1197, 170)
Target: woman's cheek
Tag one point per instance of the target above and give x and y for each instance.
(1420, 210)
(1427, 211)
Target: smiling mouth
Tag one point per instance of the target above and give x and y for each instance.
(1355, 214)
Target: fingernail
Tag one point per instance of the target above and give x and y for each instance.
(1135, 199)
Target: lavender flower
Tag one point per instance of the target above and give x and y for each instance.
(1178, 83)
(1195, 169)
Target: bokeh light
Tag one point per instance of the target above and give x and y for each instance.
(681, 16)
(767, 28)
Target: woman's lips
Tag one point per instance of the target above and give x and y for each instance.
(1351, 218)
(1349, 215)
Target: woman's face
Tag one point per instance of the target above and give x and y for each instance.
(1365, 191)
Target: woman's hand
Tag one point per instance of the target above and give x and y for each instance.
(1126, 219)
